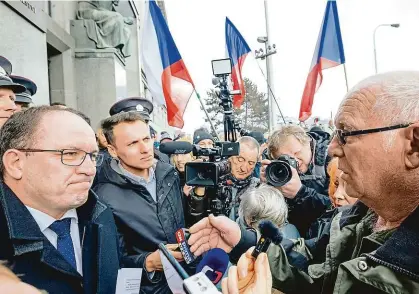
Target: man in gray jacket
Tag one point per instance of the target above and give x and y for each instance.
(144, 195)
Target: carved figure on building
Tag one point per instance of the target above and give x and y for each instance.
(106, 27)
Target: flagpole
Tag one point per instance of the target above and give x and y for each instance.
(346, 77)
(206, 113)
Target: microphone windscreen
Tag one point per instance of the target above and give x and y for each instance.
(268, 230)
(178, 147)
(214, 264)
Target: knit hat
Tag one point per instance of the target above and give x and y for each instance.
(165, 135)
(258, 136)
(201, 134)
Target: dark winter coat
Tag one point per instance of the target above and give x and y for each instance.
(143, 223)
(312, 199)
(36, 261)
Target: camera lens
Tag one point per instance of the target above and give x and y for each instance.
(278, 173)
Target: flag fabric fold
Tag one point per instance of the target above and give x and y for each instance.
(168, 78)
(237, 50)
(328, 53)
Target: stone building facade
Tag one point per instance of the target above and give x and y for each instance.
(46, 43)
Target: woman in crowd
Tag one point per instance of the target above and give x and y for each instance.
(337, 193)
(179, 161)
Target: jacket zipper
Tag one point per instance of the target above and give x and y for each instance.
(393, 267)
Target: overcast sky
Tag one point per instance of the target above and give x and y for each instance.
(197, 27)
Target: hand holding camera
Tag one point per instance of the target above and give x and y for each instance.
(282, 174)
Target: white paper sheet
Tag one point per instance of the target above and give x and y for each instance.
(129, 281)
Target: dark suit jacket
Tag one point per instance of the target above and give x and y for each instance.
(38, 263)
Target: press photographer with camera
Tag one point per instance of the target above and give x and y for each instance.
(297, 167)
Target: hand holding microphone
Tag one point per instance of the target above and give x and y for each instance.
(153, 261)
(250, 274)
(261, 278)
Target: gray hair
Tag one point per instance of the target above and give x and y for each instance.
(21, 130)
(263, 203)
(250, 142)
(109, 123)
(280, 137)
(396, 98)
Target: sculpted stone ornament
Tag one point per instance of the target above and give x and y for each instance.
(106, 27)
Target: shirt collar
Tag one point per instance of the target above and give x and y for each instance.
(44, 220)
(136, 178)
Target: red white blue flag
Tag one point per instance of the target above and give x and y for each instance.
(168, 78)
(328, 53)
(237, 49)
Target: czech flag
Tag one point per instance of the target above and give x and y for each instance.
(237, 49)
(328, 53)
(168, 78)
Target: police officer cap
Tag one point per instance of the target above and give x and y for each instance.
(31, 88)
(142, 105)
(5, 80)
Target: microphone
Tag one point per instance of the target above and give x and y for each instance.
(269, 233)
(184, 246)
(197, 284)
(214, 265)
(178, 147)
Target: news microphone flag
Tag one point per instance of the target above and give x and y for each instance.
(214, 265)
(328, 53)
(237, 49)
(168, 78)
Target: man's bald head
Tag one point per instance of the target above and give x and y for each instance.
(395, 96)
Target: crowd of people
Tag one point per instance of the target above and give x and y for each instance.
(77, 205)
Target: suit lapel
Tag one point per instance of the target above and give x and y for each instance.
(51, 257)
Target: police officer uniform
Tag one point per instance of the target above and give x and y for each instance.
(24, 99)
(145, 108)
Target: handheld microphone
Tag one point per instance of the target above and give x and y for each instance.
(178, 147)
(214, 265)
(269, 233)
(184, 246)
(197, 284)
(182, 273)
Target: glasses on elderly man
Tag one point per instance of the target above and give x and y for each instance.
(341, 135)
(72, 157)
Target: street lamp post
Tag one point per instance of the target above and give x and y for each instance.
(269, 50)
(393, 25)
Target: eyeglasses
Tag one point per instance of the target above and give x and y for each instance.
(340, 134)
(72, 157)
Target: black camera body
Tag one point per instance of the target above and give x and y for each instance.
(207, 174)
(279, 172)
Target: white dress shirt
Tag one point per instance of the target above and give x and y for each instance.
(44, 221)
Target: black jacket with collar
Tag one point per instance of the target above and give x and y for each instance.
(38, 263)
(143, 223)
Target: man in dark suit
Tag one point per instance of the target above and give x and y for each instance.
(55, 234)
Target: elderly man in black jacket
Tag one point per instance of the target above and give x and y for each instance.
(56, 235)
(144, 195)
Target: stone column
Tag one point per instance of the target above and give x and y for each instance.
(100, 75)
(99, 81)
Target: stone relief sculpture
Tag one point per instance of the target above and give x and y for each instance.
(106, 27)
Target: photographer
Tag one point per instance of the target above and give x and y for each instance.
(306, 192)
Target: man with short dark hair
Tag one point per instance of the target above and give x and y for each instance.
(144, 195)
(57, 235)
